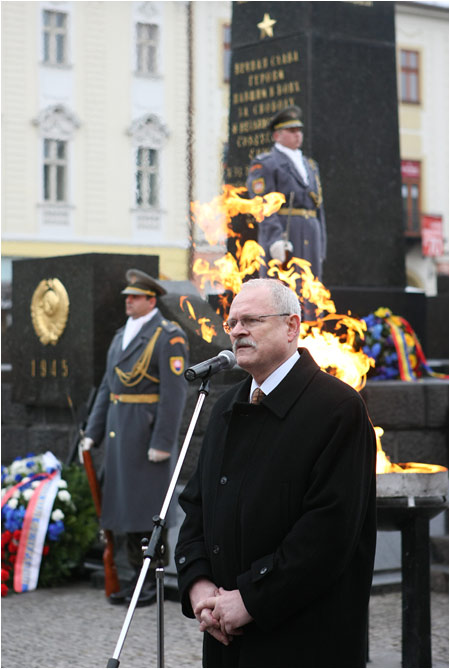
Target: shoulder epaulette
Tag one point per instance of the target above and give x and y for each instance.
(172, 326)
(168, 326)
(261, 156)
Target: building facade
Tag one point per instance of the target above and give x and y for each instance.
(98, 139)
(115, 118)
(423, 94)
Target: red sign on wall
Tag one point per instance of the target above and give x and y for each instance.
(432, 235)
(410, 170)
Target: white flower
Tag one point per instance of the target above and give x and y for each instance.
(13, 503)
(35, 484)
(62, 484)
(28, 494)
(4, 491)
(16, 494)
(64, 496)
(57, 515)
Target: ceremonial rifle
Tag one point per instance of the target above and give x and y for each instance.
(111, 578)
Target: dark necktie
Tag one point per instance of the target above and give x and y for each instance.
(257, 396)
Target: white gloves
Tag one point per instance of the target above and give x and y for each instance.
(84, 445)
(278, 249)
(157, 456)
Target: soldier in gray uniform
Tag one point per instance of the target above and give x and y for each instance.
(286, 170)
(138, 411)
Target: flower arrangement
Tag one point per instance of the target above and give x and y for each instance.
(69, 528)
(392, 343)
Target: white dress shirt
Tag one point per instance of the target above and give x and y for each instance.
(276, 377)
(133, 325)
(296, 155)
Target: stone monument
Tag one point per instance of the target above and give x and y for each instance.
(336, 60)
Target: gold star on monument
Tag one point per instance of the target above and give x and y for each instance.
(266, 26)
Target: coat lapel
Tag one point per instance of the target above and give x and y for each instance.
(281, 399)
(286, 163)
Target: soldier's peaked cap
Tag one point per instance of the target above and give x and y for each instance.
(290, 117)
(140, 283)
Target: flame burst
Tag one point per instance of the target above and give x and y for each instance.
(333, 351)
(385, 466)
(206, 330)
(214, 217)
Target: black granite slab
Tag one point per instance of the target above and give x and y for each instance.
(47, 375)
(337, 61)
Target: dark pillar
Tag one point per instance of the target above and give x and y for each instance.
(336, 60)
(416, 617)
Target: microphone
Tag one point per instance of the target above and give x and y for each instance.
(225, 360)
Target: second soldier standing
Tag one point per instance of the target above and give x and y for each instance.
(287, 170)
(138, 412)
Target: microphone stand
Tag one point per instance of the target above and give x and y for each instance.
(155, 549)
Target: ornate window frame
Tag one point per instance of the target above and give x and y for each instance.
(147, 132)
(57, 124)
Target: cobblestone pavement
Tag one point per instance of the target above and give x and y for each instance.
(75, 626)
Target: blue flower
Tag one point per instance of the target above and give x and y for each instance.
(370, 320)
(376, 330)
(18, 477)
(30, 464)
(372, 351)
(55, 530)
(13, 518)
(387, 373)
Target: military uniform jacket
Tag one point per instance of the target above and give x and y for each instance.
(275, 172)
(282, 506)
(151, 371)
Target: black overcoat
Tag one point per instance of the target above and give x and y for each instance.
(134, 488)
(283, 507)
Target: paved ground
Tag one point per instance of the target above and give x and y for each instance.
(75, 626)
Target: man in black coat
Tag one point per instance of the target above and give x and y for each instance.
(138, 412)
(275, 555)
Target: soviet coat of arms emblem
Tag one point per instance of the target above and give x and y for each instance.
(49, 310)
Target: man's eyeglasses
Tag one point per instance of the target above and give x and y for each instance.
(247, 322)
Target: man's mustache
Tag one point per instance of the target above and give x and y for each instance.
(244, 341)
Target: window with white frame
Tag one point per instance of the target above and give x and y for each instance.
(54, 37)
(409, 76)
(55, 171)
(148, 135)
(147, 39)
(146, 177)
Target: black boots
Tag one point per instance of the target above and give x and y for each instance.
(147, 595)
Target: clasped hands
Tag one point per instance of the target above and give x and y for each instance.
(220, 612)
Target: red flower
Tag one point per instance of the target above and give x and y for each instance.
(5, 590)
(13, 547)
(12, 558)
(16, 534)
(45, 550)
(6, 538)
(5, 575)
